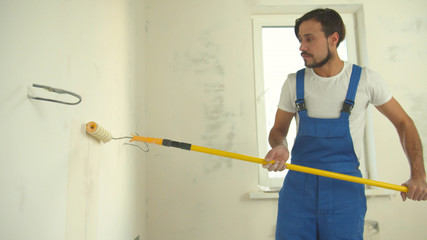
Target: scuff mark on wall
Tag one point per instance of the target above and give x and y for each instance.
(404, 33)
(219, 122)
(22, 190)
(205, 62)
(204, 56)
(399, 25)
(396, 53)
(202, 64)
(201, 58)
(83, 185)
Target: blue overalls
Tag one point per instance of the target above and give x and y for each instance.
(315, 207)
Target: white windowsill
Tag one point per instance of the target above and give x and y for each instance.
(375, 192)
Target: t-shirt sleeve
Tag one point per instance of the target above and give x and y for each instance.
(378, 90)
(288, 94)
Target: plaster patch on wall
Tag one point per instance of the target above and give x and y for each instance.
(201, 58)
(205, 62)
(83, 181)
(201, 63)
(220, 124)
(405, 25)
(402, 53)
(397, 53)
(22, 191)
(401, 38)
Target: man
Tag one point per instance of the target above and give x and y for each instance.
(329, 99)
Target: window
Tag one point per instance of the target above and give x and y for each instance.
(276, 53)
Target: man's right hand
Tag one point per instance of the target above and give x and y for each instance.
(278, 154)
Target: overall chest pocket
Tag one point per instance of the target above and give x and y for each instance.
(326, 128)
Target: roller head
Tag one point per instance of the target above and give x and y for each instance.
(98, 132)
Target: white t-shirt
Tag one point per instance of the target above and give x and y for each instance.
(324, 98)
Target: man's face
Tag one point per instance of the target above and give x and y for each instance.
(314, 44)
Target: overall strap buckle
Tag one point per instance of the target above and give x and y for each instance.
(347, 106)
(300, 105)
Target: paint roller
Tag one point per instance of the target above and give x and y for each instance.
(98, 132)
(103, 135)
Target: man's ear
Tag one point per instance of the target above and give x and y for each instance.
(333, 39)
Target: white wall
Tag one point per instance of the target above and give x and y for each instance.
(55, 181)
(172, 69)
(201, 90)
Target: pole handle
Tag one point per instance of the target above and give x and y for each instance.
(293, 167)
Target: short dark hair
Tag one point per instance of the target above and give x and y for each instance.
(331, 22)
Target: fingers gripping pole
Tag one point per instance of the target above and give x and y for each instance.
(293, 167)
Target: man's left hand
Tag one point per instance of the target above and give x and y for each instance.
(417, 189)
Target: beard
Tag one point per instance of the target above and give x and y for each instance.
(316, 64)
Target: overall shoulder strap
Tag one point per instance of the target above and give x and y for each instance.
(300, 104)
(352, 89)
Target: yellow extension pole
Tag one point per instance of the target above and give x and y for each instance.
(293, 167)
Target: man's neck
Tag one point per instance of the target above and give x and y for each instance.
(331, 68)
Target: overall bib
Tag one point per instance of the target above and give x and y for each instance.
(315, 207)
